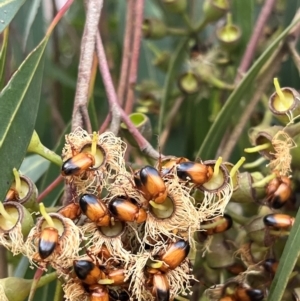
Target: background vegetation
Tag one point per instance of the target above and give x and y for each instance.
(201, 96)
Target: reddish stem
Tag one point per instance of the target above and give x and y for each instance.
(59, 15)
(258, 30)
(114, 105)
(50, 188)
(123, 82)
(137, 37)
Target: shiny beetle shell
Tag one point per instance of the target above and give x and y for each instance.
(88, 272)
(161, 289)
(48, 242)
(77, 164)
(149, 181)
(279, 221)
(127, 210)
(95, 209)
(197, 173)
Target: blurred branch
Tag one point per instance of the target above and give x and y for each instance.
(80, 112)
(122, 88)
(109, 87)
(115, 107)
(258, 30)
(136, 45)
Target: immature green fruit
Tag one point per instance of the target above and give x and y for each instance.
(229, 36)
(175, 6)
(18, 289)
(142, 123)
(189, 83)
(214, 9)
(154, 29)
(283, 106)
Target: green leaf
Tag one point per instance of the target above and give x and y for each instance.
(19, 102)
(211, 143)
(8, 9)
(34, 167)
(3, 56)
(287, 262)
(34, 7)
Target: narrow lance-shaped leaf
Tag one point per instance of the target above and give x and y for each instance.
(211, 143)
(8, 9)
(3, 56)
(19, 102)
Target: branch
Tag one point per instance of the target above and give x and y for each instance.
(85, 63)
(122, 88)
(250, 50)
(114, 105)
(137, 36)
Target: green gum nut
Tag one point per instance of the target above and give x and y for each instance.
(142, 123)
(221, 253)
(258, 252)
(188, 83)
(245, 192)
(260, 136)
(20, 214)
(18, 289)
(28, 195)
(256, 228)
(162, 61)
(154, 29)
(229, 36)
(214, 9)
(281, 109)
(175, 6)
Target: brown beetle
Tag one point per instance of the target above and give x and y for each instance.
(197, 173)
(279, 191)
(279, 221)
(47, 242)
(161, 289)
(150, 183)
(174, 255)
(88, 272)
(127, 210)
(98, 293)
(95, 209)
(77, 164)
(71, 211)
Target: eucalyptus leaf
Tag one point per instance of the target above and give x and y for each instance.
(34, 167)
(3, 56)
(19, 102)
(8, 9)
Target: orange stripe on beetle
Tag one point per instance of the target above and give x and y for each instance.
(47, 242)
(77, 164)
(279, 221)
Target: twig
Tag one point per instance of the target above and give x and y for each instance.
(86, 60)
(105, 123)
(294, 53)
(108, 84)
(122, 88)
(49, 188)
(133, 70)
(250, 50)
(114, 105)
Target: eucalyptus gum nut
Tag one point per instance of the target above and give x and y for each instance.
(24, 217)
(214, 10)
(229, 37)
(257, 230)
(143, 125)
(18, 289)
(154, 29)
(220, 254)
(258, 252)
(245, 192)
(210, 275)
(235, 178)
(29, 201)
(162, 61)
(259, 136)
(175, 6)
(280, 110)
(188, 83)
